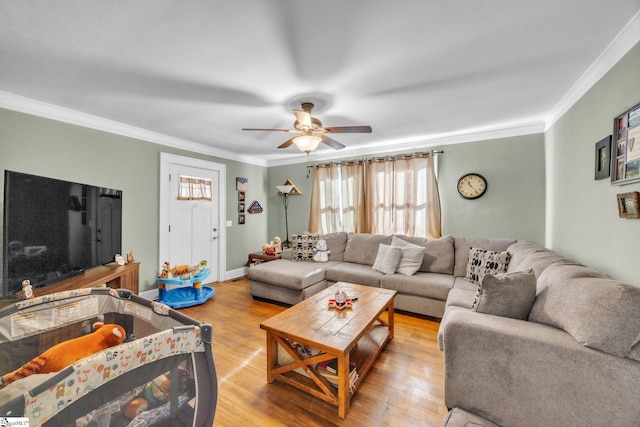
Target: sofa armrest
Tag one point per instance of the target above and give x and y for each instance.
(520, 373)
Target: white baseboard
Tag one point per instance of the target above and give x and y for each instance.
(238, 272)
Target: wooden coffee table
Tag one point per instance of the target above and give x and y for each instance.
(355, 334)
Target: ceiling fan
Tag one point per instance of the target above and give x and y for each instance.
(311, 132)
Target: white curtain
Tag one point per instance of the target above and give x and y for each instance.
(386, 196)
(402, 197)
(337, 199)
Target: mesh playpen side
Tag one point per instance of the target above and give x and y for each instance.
(163, 374)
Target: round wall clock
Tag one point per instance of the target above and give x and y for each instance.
(472, 186)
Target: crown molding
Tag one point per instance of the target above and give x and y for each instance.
(422, 142)
(626, 39)
(45, 110)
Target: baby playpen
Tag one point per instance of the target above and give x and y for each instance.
(163, 373)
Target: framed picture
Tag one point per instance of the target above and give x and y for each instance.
(255, 207)
(628, 205)
(240, 207)
(626, 130)
(603, 158)
(241, 196)
(241, 219)
(242, 184)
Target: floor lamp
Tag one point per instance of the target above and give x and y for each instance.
(285, 190)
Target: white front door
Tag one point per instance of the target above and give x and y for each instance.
(190, 230)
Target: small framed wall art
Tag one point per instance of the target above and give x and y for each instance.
(628, 205)
(603, 158)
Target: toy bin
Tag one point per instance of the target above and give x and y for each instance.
(163, 373)
(178, 292)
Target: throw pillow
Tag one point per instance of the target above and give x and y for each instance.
(483, 262)
(507, 295)
(410, 256)
(303, 246)
(387, 259)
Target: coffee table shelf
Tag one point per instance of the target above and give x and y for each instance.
(359, 334)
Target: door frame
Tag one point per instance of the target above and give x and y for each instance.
(166, 160)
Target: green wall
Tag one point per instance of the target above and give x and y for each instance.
(49, 148)
(582, 214)
(567, 209)
(513, 205)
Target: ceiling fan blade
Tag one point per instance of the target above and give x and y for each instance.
(303, 117)
(348, 129)
(270, 130)
(287, 143)
(332, 143)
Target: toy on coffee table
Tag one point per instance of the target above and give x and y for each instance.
(188, 289)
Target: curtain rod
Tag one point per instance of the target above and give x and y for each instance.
(377, 159)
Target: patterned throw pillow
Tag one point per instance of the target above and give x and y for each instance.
(483, 262)
(303, 245)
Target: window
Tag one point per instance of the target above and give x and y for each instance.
(192, 188)
(395, 195)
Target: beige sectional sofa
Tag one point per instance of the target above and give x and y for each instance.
(351, 259)
(573, 361)
(567, 354)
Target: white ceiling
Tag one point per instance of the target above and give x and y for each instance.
(192, 73)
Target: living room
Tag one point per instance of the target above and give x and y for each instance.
(541, 182)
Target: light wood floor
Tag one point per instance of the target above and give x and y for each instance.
(404, 387)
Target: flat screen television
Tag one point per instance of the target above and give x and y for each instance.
(55, 229)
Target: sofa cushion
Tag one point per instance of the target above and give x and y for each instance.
(303, 246)
(483, 262)
(462, 297)
(410, 256)
(597, 311)
(362, 248)
(438, 254)
(354, 273)
(387, 259)
(430, 285)
(519, 251)
(506, 295)
(463, 245)
(289, 274)
(539, 261)
(336, 242)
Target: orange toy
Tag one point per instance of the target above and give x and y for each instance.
(68, 352)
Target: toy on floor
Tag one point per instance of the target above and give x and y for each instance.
(191, 291)
(321, 251)
(68, 352)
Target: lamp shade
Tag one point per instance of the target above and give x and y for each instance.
(284, 189)
(307, 143)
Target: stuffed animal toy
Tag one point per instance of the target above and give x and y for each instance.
(321, 251)
(277, 243)
(68, 352)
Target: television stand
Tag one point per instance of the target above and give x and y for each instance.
(113, 275)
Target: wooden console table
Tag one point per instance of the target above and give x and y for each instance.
(258, 257)
(113, 275)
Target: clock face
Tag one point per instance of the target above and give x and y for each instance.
(472, 186)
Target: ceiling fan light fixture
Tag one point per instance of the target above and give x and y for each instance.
(307, 143)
